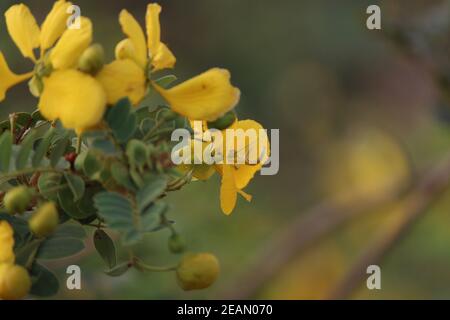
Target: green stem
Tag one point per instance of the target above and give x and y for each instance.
(6, 177)
(151, 268)
(153, 130)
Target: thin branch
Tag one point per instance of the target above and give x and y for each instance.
(320, 221)
(413, 206)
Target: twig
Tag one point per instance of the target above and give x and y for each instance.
(323, 219)
(413, 206)
(300, 234)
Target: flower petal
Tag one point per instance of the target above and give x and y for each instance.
(54, 24)
(123, 78)
(125, 50)
(164, 58)
(244, 173)
(135, 33)
(6, 243)
(228, 190)
(71, 45)
(204, 97)
(75, 98)
(23, 29)
(153, 28)
(8, 77)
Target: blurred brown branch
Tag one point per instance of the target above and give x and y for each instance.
(414, 206)
(325, 218)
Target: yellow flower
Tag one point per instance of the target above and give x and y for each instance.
(75, 98)
(6, 243)
(236, 177)
(204, 97)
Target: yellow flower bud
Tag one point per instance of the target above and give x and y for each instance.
(92, 59)
(197, 271)
(15, 282)
(45, 220)
(17, 199)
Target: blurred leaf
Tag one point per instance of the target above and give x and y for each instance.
(25, 150)
(151, 218)
(121, 175)
(56, 247)
(6, 150)
(47, 183)
(58, 151)
(45, 283)
(166, 80)
(122, 120)
(154, 187)
(42, 148)
(69, 230)
(105, 247)
(76, 185)
(71, 207)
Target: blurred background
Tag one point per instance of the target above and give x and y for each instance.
(361, 114)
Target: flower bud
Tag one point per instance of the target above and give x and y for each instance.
(176, 243)
(45, 220)
(223, 122)
(197, 271)
(15, 282)
(17, 199)
(92, 59)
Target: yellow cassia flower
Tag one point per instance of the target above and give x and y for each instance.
(204, 97)
(111, 77)
(75, 98)
(236, 177)
(6, 243)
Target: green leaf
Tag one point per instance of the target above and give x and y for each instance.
(6, 150)
(58, 151)
(104, 145)
(47, 183)
(45, 283)
(118, 270)
(137, 153)
(25, 151)
(166, 80)
(42, 148)
(56, 247)
(91, 165)
(115, 209)
(23, 119)
(70, 207)
(122, 120)
(105, 247)
(121, 175)
(76, 185)
(154, 187)
(151, 218)
(69, 230)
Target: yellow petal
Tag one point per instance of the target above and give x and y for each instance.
(228, 190)
(71, 45)
(204, 97)
(164, 58)
(54, 24)
(6, 243)
(23, 29)
(153, 28)
(125, 50)
(75, 98)
(9, 78)
(123, 78)
(135, 33)
(246, 196)
(244, 173)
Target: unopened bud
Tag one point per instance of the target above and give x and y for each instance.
(92, 59)
(15, 282)
(197, 271)
(45, 220)
(176, 243)
(17, 199)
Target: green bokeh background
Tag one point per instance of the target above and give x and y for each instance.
(312, 69)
